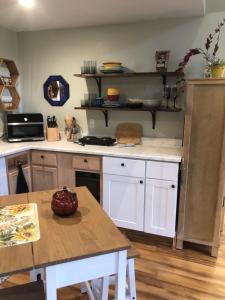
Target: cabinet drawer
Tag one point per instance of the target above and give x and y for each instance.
(91, 163)
(162, 170)
(123, 166)
(44, 158)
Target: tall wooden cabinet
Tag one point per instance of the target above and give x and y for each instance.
(203, 166)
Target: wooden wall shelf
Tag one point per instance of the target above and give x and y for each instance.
(153, 111)
(10, 86)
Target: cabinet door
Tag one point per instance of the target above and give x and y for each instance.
(123, 200)
(160, 207)
(3, 178)
(12, 176)
(44, 178)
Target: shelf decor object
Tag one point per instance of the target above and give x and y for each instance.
(9, 97)
(99, 76)
(56, 90)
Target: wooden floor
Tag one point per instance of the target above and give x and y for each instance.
(164, 273)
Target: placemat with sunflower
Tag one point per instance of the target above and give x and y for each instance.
(19, 224)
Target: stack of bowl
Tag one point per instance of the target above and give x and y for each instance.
(112, 67)
(113, 94)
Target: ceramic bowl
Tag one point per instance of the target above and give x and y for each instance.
(152, 103)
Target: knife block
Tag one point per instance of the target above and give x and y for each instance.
(52, 134)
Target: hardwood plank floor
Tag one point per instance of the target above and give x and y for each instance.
(165, 273)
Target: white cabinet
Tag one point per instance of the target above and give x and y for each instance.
(123, 200)
(3, 178)
(160, 207)
(123, 191)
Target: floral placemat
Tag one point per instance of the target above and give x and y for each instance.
(19, 224)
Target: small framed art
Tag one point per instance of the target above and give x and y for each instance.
(162, 59)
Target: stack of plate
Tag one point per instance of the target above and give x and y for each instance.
(112, 67)
(110, 104)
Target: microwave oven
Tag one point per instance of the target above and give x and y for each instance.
(25, 127)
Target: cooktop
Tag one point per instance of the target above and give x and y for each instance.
(93, 140)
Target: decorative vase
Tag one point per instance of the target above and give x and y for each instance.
(218, 71)
(64, 203)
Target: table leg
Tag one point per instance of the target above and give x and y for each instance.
(51, 288)
(121, 276)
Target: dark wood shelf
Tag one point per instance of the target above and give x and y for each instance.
(130, 109)
(130, 74)
(152, 110)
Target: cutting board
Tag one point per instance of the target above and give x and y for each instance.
(129, 133)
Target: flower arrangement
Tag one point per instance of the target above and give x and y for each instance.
(209, 56)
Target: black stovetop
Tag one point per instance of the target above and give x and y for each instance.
(93, 140)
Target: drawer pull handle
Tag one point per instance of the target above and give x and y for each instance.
(141, 182)
(85, 160)
(42, 156)
(173, 186)
(122, 165)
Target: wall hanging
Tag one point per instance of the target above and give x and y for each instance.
(56, 90)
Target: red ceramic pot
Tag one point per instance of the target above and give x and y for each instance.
(64, 203)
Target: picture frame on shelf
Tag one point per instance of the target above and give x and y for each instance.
(162, 59)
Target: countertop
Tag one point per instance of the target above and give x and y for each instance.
(160, 149)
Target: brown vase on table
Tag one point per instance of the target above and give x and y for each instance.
(64, 203)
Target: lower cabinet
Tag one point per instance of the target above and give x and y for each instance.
(160, 207)
(3, 178)
(44, 178)
(12, 178)
(124, 200)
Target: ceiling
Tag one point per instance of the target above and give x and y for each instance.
(55, 14)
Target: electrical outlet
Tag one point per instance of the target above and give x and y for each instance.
(92, 123)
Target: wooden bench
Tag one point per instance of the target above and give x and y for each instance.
(28, 291)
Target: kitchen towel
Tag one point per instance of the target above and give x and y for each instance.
(21, 184)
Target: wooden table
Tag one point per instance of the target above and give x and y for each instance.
(82, 247)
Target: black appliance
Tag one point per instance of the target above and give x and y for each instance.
(93, 140)
(25, 127)
(90, 180)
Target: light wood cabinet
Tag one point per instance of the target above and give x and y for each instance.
(44, 178)
(123, 200)
(203, 167)
(12, 178)
(160, 207)
(12, 162)
(44, 170)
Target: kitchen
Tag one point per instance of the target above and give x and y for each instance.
(134, 45)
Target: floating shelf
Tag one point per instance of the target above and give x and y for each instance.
(153, 111)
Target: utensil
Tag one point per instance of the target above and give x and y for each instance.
(129, 133)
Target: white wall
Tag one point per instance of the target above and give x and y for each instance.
(61, 52)
(8, 49)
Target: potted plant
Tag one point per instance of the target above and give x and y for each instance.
(213, 63)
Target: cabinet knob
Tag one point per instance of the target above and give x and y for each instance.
(85, 160)
(122, 165)
(141, 182)
(173, 186)
(42, 156)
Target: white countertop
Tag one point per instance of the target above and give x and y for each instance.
(151, 148)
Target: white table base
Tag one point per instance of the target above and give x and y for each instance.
(65, 274)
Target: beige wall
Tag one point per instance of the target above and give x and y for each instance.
(8, 49)
(61, 52)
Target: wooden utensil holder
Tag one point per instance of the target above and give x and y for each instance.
(52, 134)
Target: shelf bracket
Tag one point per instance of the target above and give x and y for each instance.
(99, 84)
(164, 82)
(153, 113)
(105, 113)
